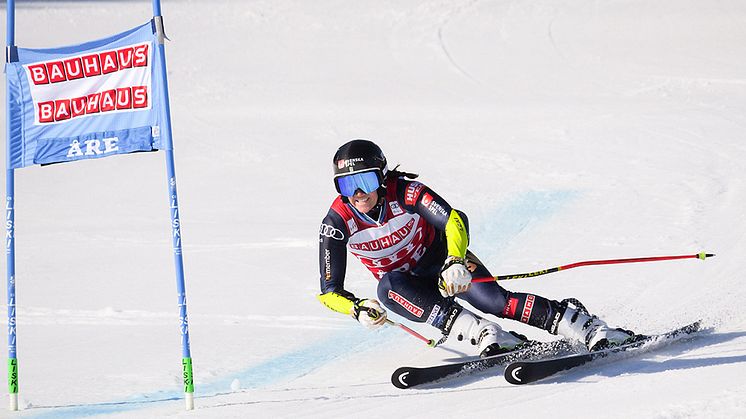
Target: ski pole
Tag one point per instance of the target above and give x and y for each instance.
(701, 256)
(430, 342)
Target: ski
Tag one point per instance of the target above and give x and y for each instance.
(407, 377)
(529, 371)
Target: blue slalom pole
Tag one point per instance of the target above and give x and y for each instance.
(186, 358)
(10, 244)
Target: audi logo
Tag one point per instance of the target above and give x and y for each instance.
(330, 231)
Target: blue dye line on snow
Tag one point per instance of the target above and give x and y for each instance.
(494, 234)
(301, 362)
(283, 367)
(500, 227)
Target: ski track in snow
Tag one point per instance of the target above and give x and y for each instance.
(113, 317)
(442, 43)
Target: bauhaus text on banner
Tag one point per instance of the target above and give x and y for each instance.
(60, 89)
(85, 101)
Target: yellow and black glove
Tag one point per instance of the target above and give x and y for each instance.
(366, 311)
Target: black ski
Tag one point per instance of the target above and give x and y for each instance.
(529, 371)
(407, 377)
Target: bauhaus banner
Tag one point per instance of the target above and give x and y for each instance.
(85, 101)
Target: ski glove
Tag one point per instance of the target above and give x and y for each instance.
(369, 313)
(454, 277)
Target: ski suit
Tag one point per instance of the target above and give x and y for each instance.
(405, 247)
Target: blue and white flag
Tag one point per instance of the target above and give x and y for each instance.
(86, 101)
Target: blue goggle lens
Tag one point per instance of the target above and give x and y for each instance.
(366, 181)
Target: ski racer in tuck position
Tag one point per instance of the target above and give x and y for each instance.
(416, 246)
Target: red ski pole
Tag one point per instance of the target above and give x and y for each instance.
(701, 256)
(430, 342)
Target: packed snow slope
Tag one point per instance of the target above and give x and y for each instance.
(566, 130)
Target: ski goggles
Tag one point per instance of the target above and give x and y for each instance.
(366, 181)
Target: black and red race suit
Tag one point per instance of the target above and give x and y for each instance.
(404, 247)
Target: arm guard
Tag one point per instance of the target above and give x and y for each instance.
(457, 238)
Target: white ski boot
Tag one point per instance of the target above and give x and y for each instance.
(489, 338)
(577, 324)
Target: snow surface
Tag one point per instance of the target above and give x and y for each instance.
(567, 130)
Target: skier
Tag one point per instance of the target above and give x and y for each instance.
(415, 244)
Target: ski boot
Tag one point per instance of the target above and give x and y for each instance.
(576, 323)
(488, 337)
